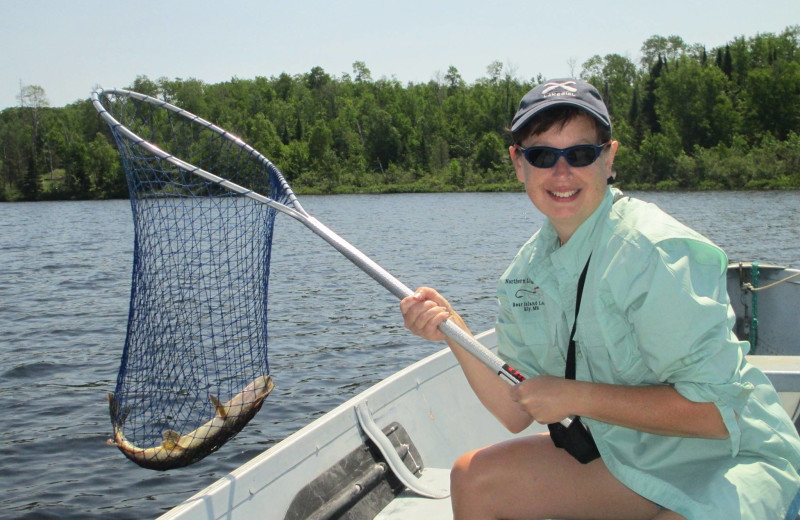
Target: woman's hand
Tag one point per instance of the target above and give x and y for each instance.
(424, 312)
(545, 398)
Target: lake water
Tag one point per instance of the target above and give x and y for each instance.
(64, 294)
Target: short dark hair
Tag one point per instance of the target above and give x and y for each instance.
(558, 115)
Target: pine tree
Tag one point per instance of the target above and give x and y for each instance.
(649, 116)
(727, 62)
(30, 180)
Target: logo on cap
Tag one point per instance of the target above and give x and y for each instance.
(565, 88)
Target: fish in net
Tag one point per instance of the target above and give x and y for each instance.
(194, 367)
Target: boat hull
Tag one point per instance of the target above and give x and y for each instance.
(435, 418)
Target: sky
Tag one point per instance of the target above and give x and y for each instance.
(70, 47)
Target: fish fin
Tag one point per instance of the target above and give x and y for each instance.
(219, 406)
(116, 412)
(171, 438)
(113, 406)
(112, 442)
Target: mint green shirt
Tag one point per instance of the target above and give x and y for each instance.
(654, 311)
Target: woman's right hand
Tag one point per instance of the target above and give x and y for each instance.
(424, 311)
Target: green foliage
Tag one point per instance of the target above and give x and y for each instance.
(490, 152)
(686, 118)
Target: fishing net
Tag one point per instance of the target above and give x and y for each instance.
(194, 366)
(197, 330)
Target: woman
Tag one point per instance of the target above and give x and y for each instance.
(684, 426)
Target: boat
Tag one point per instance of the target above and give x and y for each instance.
(387, 452)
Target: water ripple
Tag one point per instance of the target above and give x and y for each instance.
(333, 331)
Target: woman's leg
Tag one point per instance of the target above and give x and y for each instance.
(529, 478)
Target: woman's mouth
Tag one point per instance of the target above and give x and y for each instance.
(563, 194)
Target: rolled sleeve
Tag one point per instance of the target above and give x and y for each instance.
(682, 323)
(730, 400)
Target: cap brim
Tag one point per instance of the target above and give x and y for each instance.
(526, 116)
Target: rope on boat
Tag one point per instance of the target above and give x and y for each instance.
(749, 286)
(754, 321)
(753, 288)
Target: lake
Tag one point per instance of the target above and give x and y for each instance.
(64, 296)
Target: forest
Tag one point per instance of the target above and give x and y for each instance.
(687, 118)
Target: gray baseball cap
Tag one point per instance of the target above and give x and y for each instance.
(563, 91)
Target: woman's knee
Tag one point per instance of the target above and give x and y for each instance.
(470, 484)
(463, 474)
(498, 481)
(488, 470)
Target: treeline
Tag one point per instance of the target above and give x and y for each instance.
(687, 118)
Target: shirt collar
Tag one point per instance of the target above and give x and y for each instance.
(572, 256)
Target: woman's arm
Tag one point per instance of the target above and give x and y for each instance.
(423, 313)
(656, 409)
(547, 399)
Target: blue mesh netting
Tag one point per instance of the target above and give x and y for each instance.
(197, 325)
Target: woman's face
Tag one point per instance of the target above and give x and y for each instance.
(565, 194)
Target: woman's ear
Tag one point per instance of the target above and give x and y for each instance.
(610, 154)
(517, 159)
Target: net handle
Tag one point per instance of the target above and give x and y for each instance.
(362, 261)
(400, 290)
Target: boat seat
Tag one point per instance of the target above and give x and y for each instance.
(783, 371)
(410, 506)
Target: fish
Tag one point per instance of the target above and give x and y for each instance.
(178, 450)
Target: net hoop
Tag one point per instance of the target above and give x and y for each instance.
(116, 126)
(194, 367)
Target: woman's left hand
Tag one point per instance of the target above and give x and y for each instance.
(545, 398)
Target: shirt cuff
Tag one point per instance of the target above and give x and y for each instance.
(730, 399)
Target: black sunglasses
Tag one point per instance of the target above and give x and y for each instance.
(576, 156)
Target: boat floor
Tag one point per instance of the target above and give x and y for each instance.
(411, 505)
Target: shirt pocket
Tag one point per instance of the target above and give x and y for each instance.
(608, 343)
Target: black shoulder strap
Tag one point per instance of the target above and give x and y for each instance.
(570, 371)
